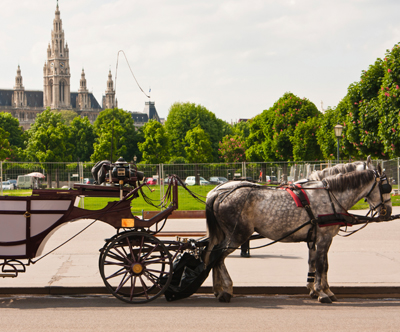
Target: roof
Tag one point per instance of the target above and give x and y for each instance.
(93, 100)
(35, 98)
(139, 117)
(150, 110)
(5, 97)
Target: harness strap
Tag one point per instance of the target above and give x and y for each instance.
(305, 202)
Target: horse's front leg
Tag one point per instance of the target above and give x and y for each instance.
(321, 280)
(324, 282)
(312, 256)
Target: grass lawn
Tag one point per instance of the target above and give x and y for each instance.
(185, 201)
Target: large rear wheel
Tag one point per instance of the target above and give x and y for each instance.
(136, 267)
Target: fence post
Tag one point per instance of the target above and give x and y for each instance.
(1, 173)
(80, 172)
(161, 179)
(397, 182)
(244, 169)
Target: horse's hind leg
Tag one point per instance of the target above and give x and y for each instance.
(223, 286)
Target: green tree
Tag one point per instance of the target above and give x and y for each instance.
(304, 141)
(259, 129)
(362, 118)
(154, 149)
(5, 150)
(271, 131)
(242, 129)
(388, 105)
(183, 117)
(67, 116)
(232, 149)
(198, 149)
(82, 138)
(48, 139)
(48, 142)
(116, 136)
(16, 135)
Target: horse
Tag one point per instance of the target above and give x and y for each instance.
(235, 210)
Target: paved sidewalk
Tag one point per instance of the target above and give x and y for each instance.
(369, 258)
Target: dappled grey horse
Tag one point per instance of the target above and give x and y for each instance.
(237, 209)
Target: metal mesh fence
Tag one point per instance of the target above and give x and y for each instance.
(58, 175)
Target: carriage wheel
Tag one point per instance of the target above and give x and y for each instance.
(136, 267)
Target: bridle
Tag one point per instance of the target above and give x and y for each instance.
(384, 188)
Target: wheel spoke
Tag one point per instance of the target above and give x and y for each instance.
(114, 263)
(152, 279)
(156, 271)
(123, 281)
(131, 250)
(154, 261)
(145, 288)
(116, 274)
(124, 256)
(133, 283)
(115, 256)
(151, 251)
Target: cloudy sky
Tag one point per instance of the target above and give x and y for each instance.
(234, 57)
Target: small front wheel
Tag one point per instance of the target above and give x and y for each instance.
(136, 267)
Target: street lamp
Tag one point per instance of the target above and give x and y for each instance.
(338, 133)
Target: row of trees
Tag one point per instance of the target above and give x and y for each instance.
(292, 129)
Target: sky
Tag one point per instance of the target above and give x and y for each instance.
(235, 57)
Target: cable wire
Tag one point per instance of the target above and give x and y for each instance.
(116, 71)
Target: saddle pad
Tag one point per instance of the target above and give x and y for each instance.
(294, 195)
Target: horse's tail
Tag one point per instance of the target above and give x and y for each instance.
(215, 233)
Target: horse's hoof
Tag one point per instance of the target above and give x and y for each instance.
(324, 300)
(225, 297)
(313, 294)
(333, 298)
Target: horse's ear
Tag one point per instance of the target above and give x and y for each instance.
(369, 163)
(379, 169)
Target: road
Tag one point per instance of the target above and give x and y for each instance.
(197, 313)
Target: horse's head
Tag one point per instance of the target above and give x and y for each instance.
(378, 196)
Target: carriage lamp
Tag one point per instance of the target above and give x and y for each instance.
(338, 133)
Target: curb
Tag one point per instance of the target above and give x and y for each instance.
(342, 291)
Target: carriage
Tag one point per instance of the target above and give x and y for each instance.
(134, 264)
(137, 267)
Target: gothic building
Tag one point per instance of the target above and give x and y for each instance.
(56, 95)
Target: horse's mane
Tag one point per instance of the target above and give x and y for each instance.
(337, 169)
(350, 181)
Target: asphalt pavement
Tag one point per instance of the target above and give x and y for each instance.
(366, 263)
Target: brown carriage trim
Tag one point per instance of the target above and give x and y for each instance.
(178, 214)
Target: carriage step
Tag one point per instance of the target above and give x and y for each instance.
(8, 275)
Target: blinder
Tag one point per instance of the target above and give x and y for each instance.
(386, 188)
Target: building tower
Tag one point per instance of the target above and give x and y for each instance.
(83, 100)
(18, 97)
(56, 72)
(109, 98)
